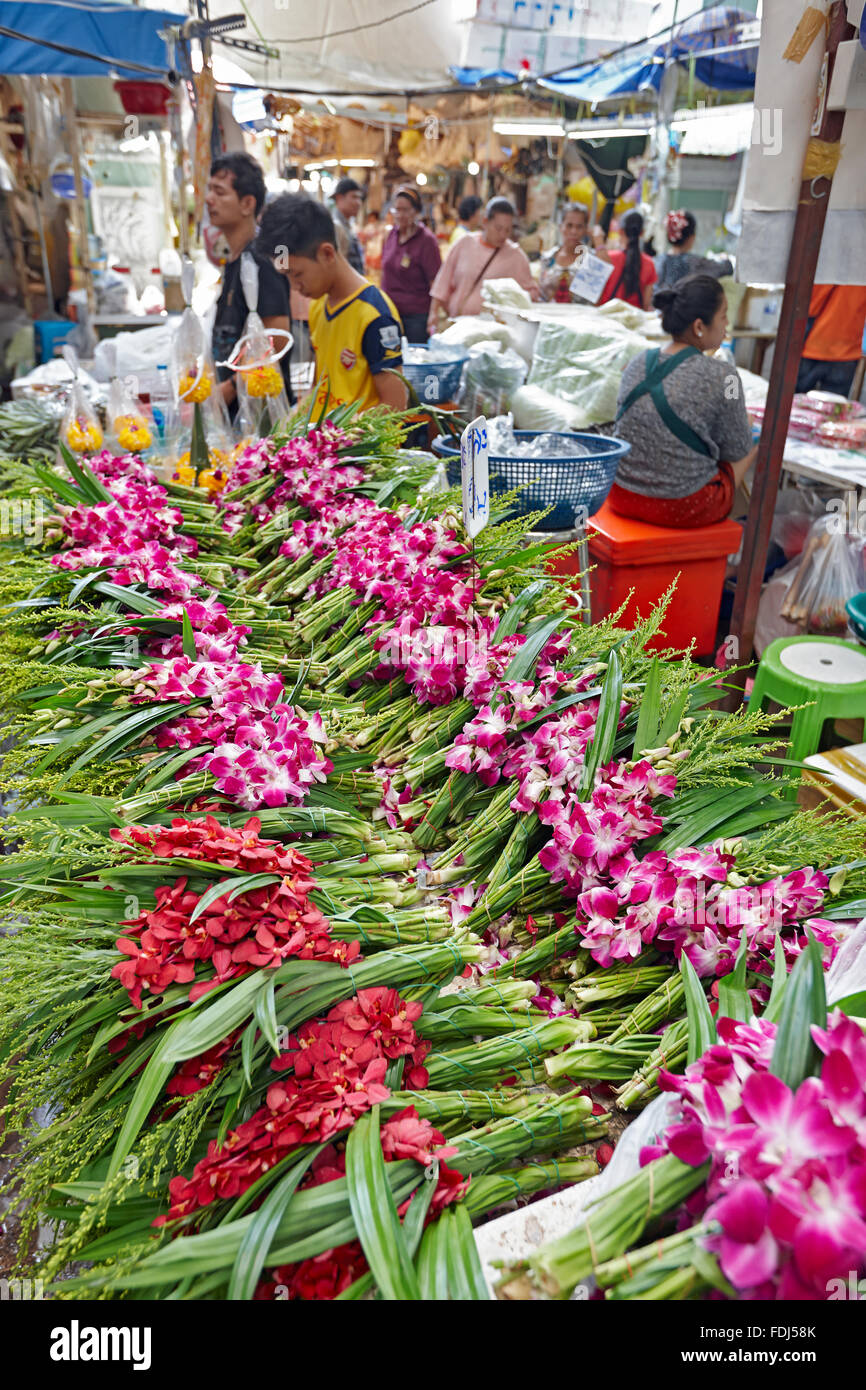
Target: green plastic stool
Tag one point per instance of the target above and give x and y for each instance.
(826, 670)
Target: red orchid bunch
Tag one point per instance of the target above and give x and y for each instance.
(258, 929)
(323, 1277)
(337, 1067)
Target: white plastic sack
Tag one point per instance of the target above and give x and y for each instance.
(537, 409)
(584, 365)
(505, 293)
(463, 332)
(847, 974)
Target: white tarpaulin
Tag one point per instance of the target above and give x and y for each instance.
(785, 103)
(352, 45)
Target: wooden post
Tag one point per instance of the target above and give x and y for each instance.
(790, 339)
(18, 257)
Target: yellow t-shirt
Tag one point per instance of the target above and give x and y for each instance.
(353, 342)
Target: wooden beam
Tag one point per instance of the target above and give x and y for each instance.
(80, 204)
(790, 339)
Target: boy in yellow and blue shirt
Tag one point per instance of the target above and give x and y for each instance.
(354, 328)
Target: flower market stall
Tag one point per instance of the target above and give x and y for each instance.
(355, 890)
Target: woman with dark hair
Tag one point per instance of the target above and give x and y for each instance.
(680, 260)
(684, 415)
(410, 262)
(633, 273)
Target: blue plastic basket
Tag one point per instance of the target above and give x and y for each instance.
(435, 381)
(572, 486)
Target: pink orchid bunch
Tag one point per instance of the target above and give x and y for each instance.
(136, 537)
(786, 1192)
(274, 762)
(238, 695)
(217, 638)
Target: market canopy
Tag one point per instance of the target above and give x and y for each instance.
(83, 38)
(718, 42)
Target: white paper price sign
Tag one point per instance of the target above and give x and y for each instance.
(474, 476)
(590, 276)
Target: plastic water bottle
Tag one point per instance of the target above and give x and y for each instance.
(164, 411)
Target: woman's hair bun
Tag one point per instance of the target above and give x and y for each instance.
(664, 298)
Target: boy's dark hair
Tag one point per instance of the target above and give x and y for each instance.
(349, 185)
(693, 297)
(296, 224)
(468, 206)
(247, 177)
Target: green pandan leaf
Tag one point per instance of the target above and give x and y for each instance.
(702, 1025)
(375, 1213)
(795, 1054)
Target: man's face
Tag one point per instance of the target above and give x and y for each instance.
(225, 209)
(310, 275)
(349, 203)
(498, 228)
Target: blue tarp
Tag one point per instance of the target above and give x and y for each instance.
(100, 28)
(641, 68)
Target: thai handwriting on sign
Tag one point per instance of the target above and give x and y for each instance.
(475, 476)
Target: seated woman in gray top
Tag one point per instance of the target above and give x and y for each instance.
(684, 415)
(681, 260)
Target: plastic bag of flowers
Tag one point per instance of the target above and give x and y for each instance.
(80, 429)
(256, 360)
(201, 405)
(129, 430)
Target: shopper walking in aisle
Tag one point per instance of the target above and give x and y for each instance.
(235, 197)
(410, 261)
(680, 259)
(684, 416)
(354, 328)
(556, 265)
(633, 272)
(490, 255)
(470, 213)
(834, 345)
(348, 198)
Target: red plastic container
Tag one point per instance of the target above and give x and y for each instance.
(143, 98)
(628, 554)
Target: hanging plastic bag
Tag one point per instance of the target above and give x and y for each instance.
(825, 581)
(80, 429)
(201, 405)
(129, 431)
(255, 359)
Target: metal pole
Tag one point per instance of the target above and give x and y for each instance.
(80, 200)
(790, 339)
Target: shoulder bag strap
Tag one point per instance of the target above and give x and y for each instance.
(478, 278)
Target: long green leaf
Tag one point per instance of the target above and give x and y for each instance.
(259, 1235)
(646, 734)
(795, 1054)
(511, 620)
(375, 1214)
(671, 721)
(522, 664)
(234, 887)
(600, 750)
(466, 1280)
(702, 1027)
(780, 983)
(734, 999)
(432, 1270)
(188, 643)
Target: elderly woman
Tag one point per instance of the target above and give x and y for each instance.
(490, 255)
(556, 265)
(410, 261)
(684, 415)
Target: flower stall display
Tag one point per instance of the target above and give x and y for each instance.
(357, 884)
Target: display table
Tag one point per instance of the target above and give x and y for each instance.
(844, 468)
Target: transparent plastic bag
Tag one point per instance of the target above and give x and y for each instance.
(80, 429)
(202, 409)
(492, 371)
(129, 431)
(825, 580)
(255, 360)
